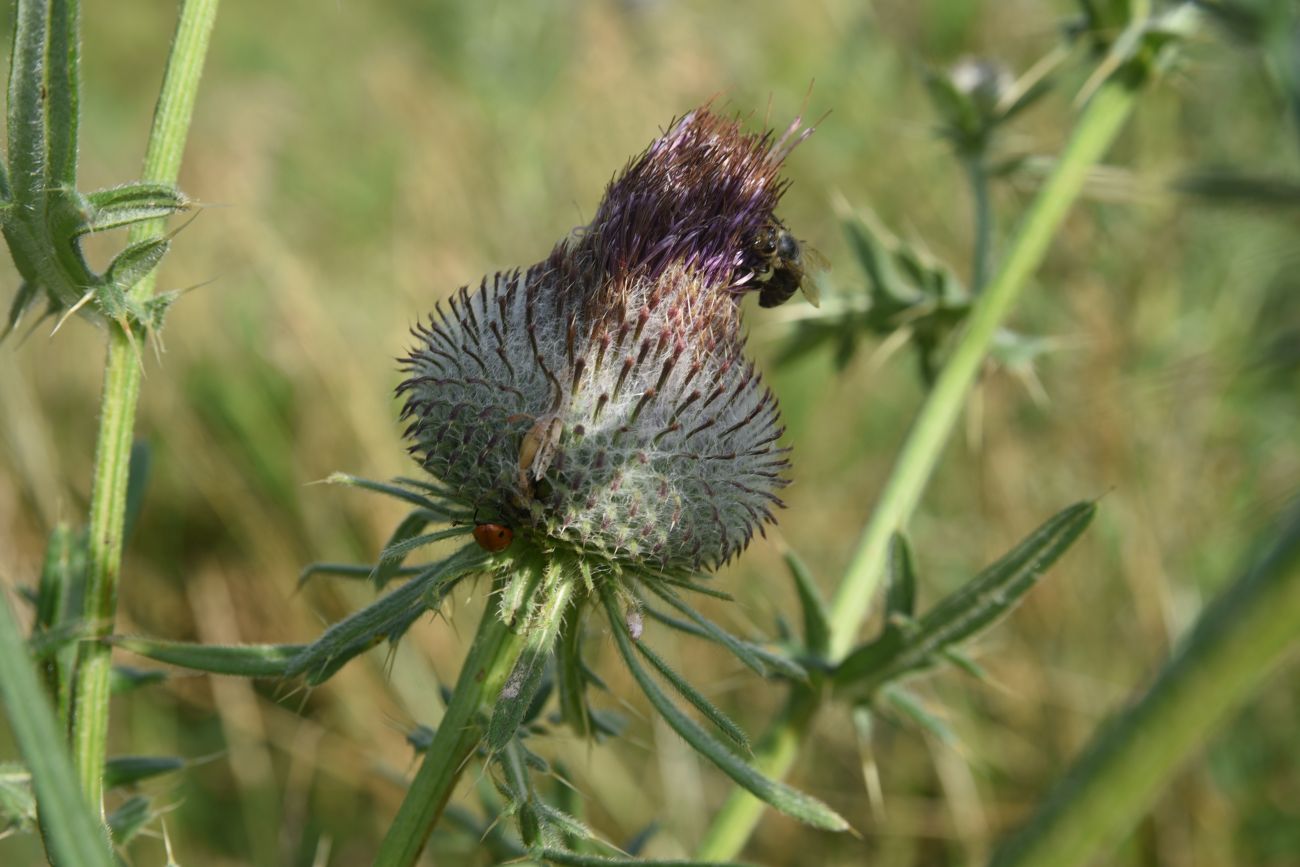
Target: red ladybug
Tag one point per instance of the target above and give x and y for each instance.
(493, 537)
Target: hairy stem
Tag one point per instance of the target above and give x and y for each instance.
(1097, 127)
(117, 410)
(490, 660)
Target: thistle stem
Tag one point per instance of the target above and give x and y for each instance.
(489, 662)
(1097, 127)
(117, 410)
(982, 248)
(1235, 644)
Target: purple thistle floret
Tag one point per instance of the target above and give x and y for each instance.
(600, 400)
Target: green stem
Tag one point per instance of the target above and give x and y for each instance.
(1097, 127)
(490, 660)
(1235, 644)
(982, 250)
(117, 410)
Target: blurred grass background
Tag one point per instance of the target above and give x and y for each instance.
(361, 161)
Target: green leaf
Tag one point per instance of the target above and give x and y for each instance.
(570, 827)
(781, 664)
(389, 490)
(390, 561)
(874, 257)
(242, 660)
(58, 602)
(519, 789)
(965, 663)
(397, 549)
(560, 856)
(1233, 188)
(136, 262)
(130, 203)
(47, 642)
(129, 770)
(913, 709)
(72, 833)
(126, 678)
(386, 618)
(900, 577)
(351, 570)
(17, 803)
(784, 798)
(967, 611)
(24, 298)
(998, 589)
(816, 620)
(733, 732)
(127, 820)
(737, 647)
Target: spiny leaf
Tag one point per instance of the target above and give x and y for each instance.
(242, 660)
(129, 770)
(733, 732)
(715, 632)
(965, 612)
(997, 589)
(58, 602)
(44, 644)
(560, 856)
(131, 203)
(561, 822)
(127, 820)
(24, 298)
(965, 663)
(784, 798)
(518, 787)
(136, 262)
(397, 549)
(696, 587)
(17, 803)
(900, 589)
(781, 664)
(395, 491)
(351, 570)
(390, 561)
(387, 617)
(914, 710)
(126, 678)
(816, 619)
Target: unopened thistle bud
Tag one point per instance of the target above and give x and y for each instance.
(599, 401)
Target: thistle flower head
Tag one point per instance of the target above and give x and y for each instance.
(600, 400)
(596, 414)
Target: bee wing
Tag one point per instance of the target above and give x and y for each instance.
(813, 262)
